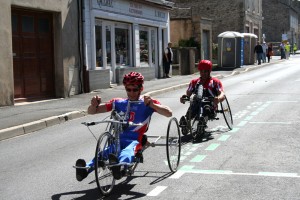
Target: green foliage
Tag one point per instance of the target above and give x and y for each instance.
(189, 43)
(214, 51)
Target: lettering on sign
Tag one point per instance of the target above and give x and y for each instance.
(136, 9)
(107, 3)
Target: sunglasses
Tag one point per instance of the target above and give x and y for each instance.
(132, 89)
(204, 71)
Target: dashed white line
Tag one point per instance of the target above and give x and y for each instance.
(156, 191)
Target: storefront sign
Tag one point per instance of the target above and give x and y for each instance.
(131, 8)
(135, 8)
(160, 14)
(107, 3)
(284, 37)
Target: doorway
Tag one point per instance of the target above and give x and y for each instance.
(33, 59)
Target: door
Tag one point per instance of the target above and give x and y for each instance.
(32, 54)
(205, 45)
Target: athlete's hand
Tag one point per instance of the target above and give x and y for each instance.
(216, 100)
(96, 100)
(148, 100)
(182, 98)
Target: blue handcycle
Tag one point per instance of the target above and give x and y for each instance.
(109, 143)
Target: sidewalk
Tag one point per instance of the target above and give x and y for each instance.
(27, 117)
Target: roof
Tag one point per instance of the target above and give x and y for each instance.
(230, 34)
(163, 3)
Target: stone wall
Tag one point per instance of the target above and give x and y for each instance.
(147, 72)
(226, 15)
(180, 29)
(273, 23)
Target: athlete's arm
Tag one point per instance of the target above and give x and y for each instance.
(96, 106)
(161, 109)
(219, 98)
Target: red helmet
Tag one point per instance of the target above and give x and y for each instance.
(133, 78)
(205, 65)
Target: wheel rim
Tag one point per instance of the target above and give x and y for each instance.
(173, 144)
(194, 128)
(198, 128)
(104, 178)
(227, 113)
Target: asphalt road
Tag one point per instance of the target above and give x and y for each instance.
(258, 159)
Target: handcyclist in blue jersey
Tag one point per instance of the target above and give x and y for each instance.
(132, 139)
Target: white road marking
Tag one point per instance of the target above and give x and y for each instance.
(284, 101)
(270, 122)
(190, 169)
(156, 191)
(177, 174)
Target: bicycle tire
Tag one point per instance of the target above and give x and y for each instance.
(173, 144)
(189, 120)
(227, 113)
(103, 175)
(194, 126)
(198, 128)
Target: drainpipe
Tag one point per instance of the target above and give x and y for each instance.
(83, 73)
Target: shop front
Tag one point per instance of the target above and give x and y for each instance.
(122, 36)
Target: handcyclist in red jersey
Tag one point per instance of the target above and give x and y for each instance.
(212, 87)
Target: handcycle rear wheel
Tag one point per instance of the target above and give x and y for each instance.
(227, 113)
(104, 178)
(173, 144)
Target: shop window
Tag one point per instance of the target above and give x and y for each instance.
(122, 46)
(108, 44)
(144, 57)
(153, 41)
(98, 34)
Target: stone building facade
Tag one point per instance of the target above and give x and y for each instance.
(192, 26)
(59, 48)
(244, 16)
(40, 50)
(281, 17)
(204, 20)
(123, 36)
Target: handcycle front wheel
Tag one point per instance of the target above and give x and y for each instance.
(227, 113)
(103, 175)
(198, 129)
(173, 144)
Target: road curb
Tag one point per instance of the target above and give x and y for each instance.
(39, 124)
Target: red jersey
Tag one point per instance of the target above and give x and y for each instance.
(213, 86)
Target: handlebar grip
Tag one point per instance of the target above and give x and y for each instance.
(89, 123)
(186, 98)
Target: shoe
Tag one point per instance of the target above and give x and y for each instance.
(81, 173)
(182, 122)
(168, 76)
(101, 163)
(116, 170)
(113, 159)
(208, 136)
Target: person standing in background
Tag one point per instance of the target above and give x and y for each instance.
(287, 50)
(259, 52)
(265, 48)
(168, 59)
(270, 52)
(282, 51)
(295, 48)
